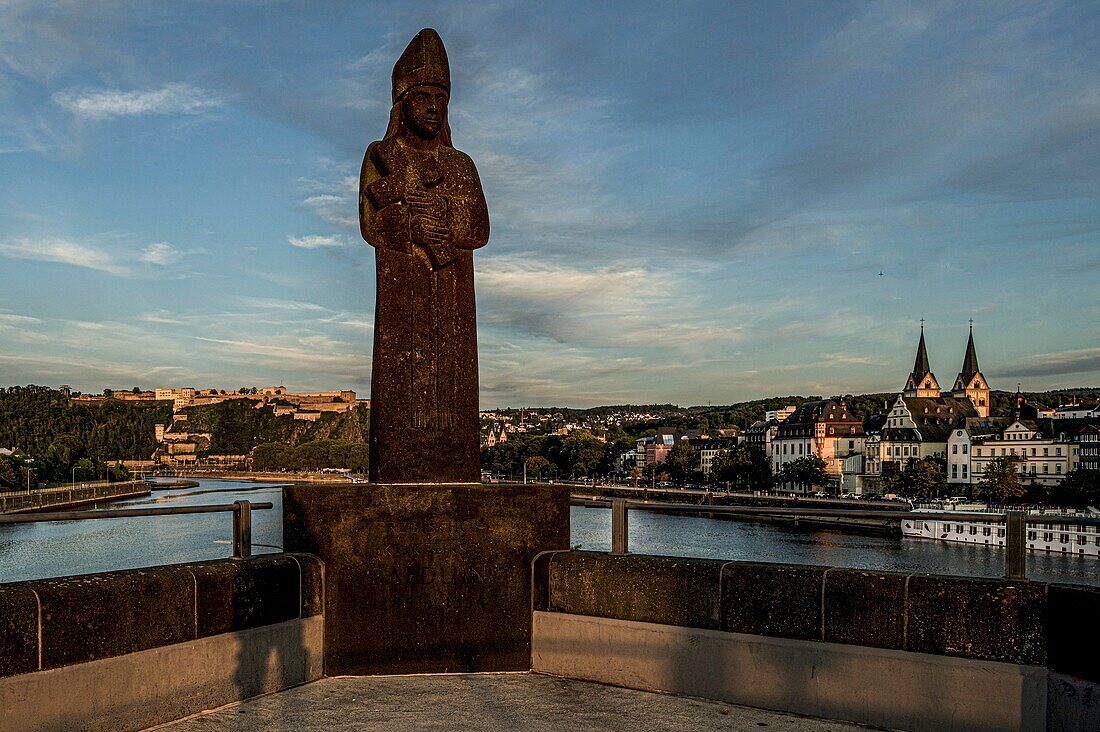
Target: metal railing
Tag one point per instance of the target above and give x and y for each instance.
(241, 510)
(1015, 522)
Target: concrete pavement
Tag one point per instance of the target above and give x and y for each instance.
(485, 702)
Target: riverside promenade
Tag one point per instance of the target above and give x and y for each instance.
(78, 494)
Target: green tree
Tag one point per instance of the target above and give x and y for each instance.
(744, 467)
(923, 479)
(9, 473)
(85, 469)
(681, 462)
(612, 455)
(1079, 489)
(1000, 482)
(582, 452)
(807, 471)
(537, 467)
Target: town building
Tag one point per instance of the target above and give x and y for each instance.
(707, 449)
(761, 434)
(779, 415)
(1044, 449)
(824, 428)
(1088, 440)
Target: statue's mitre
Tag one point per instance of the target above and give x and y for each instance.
(424, 61)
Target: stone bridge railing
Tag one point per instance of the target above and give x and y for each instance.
(894, 650)
(131, 649)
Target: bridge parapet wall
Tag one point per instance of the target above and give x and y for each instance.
(897, 650)
(131, 649)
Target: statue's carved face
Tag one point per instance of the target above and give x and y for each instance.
(425, 108)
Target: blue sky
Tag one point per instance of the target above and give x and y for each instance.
(691, 202)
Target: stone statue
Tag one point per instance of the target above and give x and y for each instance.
(422, 209)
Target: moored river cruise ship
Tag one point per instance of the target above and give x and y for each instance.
(1070, 537)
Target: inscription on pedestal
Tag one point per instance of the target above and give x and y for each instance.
(427, 578)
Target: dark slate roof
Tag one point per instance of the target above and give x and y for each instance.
(1068, 427)
(985, 426)
(900, 434)
(822, 410)
(935, 417)
(875, 423)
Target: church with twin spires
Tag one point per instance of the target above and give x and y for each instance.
(919, 422)
(969, 384)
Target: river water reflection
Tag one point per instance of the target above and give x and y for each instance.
(32, 551)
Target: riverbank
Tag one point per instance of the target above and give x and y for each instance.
(265, 477)
(887, 527)
(81, 494)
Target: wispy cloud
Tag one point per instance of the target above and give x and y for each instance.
(161, 254)
(174, 98)
(1058, 363)
(63, 251)
(268, 303)
(316, 241)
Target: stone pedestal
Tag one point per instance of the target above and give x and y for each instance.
(426, 578)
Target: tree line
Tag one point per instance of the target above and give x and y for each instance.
(580, 453)
(314, 455)
(1001, 483)
(61, 441)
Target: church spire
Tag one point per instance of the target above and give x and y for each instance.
(921, 365)
(970, 361)
(922, 382)
(970, 383)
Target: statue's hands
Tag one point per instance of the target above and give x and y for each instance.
(426, 230)
(429, 214)
(431, 205)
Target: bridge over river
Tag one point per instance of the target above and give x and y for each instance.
(146, 620)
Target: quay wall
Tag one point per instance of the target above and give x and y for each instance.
(132, 649)
(878, 527)
(67, 496)
(895, 650)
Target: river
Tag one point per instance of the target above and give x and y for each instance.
(55, 549)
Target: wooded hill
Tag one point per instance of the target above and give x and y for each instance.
(32, 418)
(236, 426)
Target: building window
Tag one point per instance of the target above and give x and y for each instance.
(986, 531)
(1048, 536)
(964, 472)
(973, 530)
(954, 449)
(1031, 536)
(964, 448)
(954, 470)
(1063, 538)
(1058, 468)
